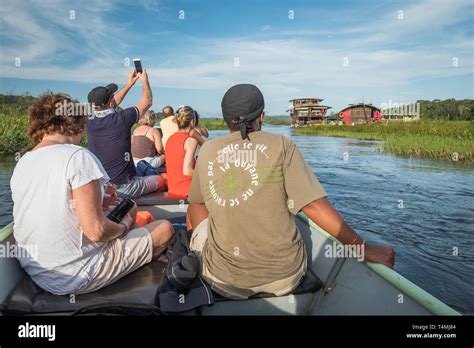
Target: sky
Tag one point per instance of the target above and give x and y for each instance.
(341, 51)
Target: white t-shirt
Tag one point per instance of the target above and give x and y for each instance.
(168, 127)
(61, 259)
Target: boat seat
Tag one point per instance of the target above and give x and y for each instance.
(310, 283)
(159, 198)
(138, 287)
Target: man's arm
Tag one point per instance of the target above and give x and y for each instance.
(120, 95)
(325, 216)
(94, 223)
(147, 99)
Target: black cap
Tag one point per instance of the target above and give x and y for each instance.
(100, 96)
(242, 104)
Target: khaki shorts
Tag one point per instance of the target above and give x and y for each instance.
(279, 287)
(121, 256)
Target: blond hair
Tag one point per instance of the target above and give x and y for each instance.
(149, 119)
(184, 116)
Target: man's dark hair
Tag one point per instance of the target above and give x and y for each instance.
(168, 111)
(252, 126)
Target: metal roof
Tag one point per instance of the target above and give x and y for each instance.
(350, 106)
(318, 99)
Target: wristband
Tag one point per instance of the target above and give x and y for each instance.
(126, 228)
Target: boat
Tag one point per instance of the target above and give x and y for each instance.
(347, 286)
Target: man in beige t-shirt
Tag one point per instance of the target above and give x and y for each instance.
(167, 125)
(246, 189)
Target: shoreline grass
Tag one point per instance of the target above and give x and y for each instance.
(438, 140)
(13, 137)
(213, 123)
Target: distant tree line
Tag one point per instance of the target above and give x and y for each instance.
(449, 109)
(15, 104)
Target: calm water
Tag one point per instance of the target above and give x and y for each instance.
(422, 208)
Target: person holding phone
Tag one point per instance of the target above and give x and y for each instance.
(109, 134)
(61, 209)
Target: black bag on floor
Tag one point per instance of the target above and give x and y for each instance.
(181, 289)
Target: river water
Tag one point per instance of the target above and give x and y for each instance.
(423, 208)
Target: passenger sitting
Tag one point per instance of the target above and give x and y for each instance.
(179, 153)
(246, 189)
(199, 133)
(146, 142)
(109, 136)
(167, 124)
(59, 210)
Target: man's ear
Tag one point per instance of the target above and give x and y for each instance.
(112, 102)
(262, 116)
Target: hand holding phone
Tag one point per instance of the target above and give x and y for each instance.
(119, 212)
(132, 78)
(138, 65)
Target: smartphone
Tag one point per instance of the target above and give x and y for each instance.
(138, 65)
(119, 212)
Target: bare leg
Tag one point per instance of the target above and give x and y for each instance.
(161, 233)
(195, 215)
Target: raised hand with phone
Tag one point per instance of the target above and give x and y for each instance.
(136, 74)
(147, 98)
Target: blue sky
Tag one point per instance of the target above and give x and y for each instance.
(341, 51)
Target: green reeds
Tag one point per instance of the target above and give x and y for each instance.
(443, 140)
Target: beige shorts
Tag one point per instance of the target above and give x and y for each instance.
(121, 256)
(279, 287)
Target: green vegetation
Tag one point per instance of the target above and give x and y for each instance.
(13, 136)
(279, 120)
(444, 140)
(213, 123)
(219, 123)
(449, 109)
(14, 124)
